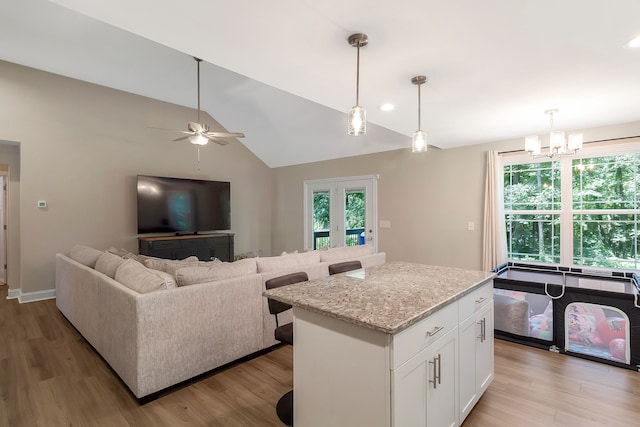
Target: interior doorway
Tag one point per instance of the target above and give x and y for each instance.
(340, 212)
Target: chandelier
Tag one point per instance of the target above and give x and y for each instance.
(558, 145)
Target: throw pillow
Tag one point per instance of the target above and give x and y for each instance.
(171, 266)
(108, 263)
(287, 262)
(218, 271)
(85, 255)
(346, 252)
(137, 277)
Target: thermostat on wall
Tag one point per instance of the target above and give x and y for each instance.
(42, 203)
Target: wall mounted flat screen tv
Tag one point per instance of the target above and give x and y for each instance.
(182, 206)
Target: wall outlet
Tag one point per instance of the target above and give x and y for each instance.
(471, 226)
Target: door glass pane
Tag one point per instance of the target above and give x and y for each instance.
(321, 219)
(354, 217)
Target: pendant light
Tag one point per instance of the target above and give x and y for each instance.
(357, 124)
(419, 138)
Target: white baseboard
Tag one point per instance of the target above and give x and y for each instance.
(31, 296)
(13, 293)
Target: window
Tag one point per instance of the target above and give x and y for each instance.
(532, 204)
(581, 211)
(606, 192)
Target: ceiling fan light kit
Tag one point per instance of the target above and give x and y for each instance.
(357, 120)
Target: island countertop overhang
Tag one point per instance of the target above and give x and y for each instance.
(387, 298)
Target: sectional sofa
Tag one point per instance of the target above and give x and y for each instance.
(160, 322)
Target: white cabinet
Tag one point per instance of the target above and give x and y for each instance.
(425, 387)
(476, 351)
(427, 375)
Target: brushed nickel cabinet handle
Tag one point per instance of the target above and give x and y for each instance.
(483, 329)
(437, 371)
(434, 331)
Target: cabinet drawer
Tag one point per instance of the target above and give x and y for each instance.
(409, 342)
(474, 301)
(164, 244)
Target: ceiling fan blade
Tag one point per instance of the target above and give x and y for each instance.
(225, 134)
(219, 141)
(182, 138)
(197, 127)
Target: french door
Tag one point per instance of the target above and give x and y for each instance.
(340, 212)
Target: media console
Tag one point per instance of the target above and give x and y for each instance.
(205, 246)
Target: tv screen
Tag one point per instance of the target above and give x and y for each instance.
(182, 206)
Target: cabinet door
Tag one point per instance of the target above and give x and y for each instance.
(484, 352)
(410, 392)
(424, 388)
(476, 358)
(442, 385)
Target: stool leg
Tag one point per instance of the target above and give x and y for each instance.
(284, 408)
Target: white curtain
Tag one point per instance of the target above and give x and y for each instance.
(494, 235)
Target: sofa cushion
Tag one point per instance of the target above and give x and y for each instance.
(346, 252)
(85, 255)
(108, 263)
(141, 279)
(217, 271)
(287, 262)
(171, 265)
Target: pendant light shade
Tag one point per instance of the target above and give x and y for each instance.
(419, 138)
(357, 120)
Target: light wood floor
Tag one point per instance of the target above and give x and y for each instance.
(50, 376)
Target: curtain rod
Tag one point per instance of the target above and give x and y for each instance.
(590, 142)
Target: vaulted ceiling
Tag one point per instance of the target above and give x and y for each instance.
(283, 73)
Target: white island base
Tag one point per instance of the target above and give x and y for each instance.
(431, 373)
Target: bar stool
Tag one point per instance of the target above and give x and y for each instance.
(284, 334)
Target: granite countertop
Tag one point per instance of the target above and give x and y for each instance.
(387, 298)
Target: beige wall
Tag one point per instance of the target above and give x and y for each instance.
(81, 147)
(429, 198)
(10, 161)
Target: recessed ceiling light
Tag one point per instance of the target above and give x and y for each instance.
(634, 43)
(387, 107)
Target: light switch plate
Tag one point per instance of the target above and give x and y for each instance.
(384, 223)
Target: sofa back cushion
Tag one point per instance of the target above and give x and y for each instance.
(141, 279)
(171, 265)
(346, 252)
(287, 262)
(108, 263)
(85, 255)
(216, 271)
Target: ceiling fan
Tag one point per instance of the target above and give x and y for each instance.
(198, 133)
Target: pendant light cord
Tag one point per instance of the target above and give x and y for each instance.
(358, 77)
(419, 105)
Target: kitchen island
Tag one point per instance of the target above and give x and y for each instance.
(399, 344)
